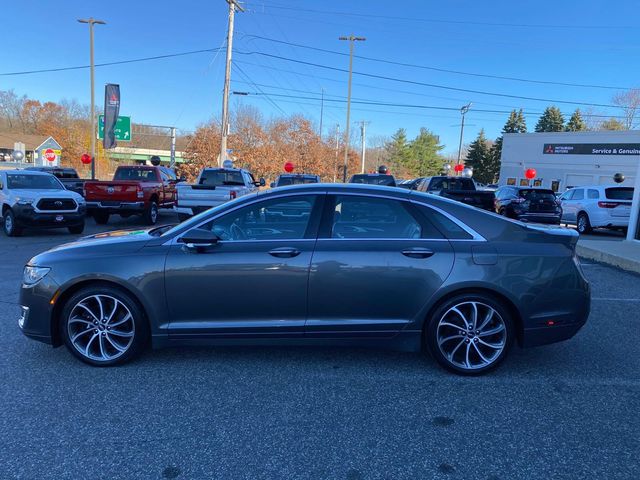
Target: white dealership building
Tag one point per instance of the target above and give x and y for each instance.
(569, 159)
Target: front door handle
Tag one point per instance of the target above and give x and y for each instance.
(284, 252)
(417, 252)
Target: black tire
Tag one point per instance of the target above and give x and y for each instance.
(77, 229)
(443, 312)
(140, 329)
(151, 214)
(503, 212)
(583, 225)
(101, 218)
(10, 228)
(183, 217)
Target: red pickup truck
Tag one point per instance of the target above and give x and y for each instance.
(135, 190)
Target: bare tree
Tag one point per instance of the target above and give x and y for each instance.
(629, 102)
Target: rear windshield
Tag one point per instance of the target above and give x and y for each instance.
(387, 180)
(619, 193)
(217, 178)
(32, 182)
(537, 195)
(282, 181)
(66, 173)
(135, 174)
(445, 183)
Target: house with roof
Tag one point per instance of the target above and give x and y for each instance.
(37, 150)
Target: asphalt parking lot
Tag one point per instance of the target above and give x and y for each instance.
(562, 411)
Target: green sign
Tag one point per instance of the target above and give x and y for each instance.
(122, 130)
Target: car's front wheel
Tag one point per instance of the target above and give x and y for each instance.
(103, 326)
(9, 226)
(470, 334)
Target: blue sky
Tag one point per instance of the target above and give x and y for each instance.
(569, 41)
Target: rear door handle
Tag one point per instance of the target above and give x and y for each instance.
(417, 252)
(284, 252)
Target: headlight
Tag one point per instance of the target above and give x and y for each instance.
(25, 200)
(33, 275)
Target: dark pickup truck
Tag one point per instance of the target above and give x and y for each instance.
(67, 176)
(462, 189)
(134, 190)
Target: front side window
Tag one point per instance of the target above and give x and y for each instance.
(578, 194)
(567, 195)
(372, 217)
(18, 181)
(277, 219)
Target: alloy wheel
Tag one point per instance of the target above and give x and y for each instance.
(471, 335)
(101, 327)
(8, 224)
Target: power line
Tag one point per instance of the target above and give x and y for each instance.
(431, 85)
(436, 20)
(237, 67)
(437, 69)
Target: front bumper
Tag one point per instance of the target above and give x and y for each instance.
(27, 216)
(36, 305)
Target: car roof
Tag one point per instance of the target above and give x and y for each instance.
(26, 172)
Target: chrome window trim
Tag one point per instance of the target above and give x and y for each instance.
(379, 239)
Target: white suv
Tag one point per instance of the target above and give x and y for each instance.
(597, 206)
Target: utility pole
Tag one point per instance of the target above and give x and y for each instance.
(233, 4)
(335, 173)
(321, 111)
(463, 111)
(363, 136)
(172, 162)
(91, 22)
(351, 39)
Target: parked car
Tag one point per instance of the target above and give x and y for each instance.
(374, 179)
(134, 190)
(528, 204)
(597, 206)
(294, 179)
(462, 189)
(411, 184)
(68, 177)
(213, 187)
(358, 265)
(31, 199)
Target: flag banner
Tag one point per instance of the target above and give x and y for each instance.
(111, 111)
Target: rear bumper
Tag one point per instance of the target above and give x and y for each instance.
(26, 216)
(115, 207)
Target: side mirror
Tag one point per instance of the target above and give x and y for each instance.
(273, 185)
(262, 182)
(199, 238)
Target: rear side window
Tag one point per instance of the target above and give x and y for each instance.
(619, 193)
(446, 226)
(578, 194)
(593, 194)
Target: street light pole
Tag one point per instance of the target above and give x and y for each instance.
(351, 39)
(233, 4)
(463, 111)
(363, 136)
(91, 22)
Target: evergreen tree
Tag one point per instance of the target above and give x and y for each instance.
(424, 157)
(576, 123)
(398, 150)
(479, 158)
(551, 121)
(516, 123)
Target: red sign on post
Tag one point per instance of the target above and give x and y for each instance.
(50, 155)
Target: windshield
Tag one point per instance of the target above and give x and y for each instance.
(17, 181)
(283, 181)
(387, 180)
(217, 178)
(619, 193)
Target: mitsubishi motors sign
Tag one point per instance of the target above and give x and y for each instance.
(591, 149)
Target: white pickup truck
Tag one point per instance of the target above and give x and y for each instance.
(213, 187)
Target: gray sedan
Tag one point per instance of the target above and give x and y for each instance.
(314, 265)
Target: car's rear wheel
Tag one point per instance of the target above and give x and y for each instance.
(9, 226)
(101, 218)
(470, 334)
(583, 224)
(103, 326)
(151, 214)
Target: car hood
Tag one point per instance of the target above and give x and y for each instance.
(107, 243)
(46, 193)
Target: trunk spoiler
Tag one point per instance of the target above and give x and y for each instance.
(563, 234)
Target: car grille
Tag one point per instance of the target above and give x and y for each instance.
(56, 204)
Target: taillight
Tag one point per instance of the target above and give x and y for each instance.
(518, 200)
(140, 192)
(233, 194)
(608, 204)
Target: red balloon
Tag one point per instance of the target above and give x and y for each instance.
(459, 167)
(85, 158)
(288, 167)
(530, 173)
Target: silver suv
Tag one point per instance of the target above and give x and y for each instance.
(597, 206)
